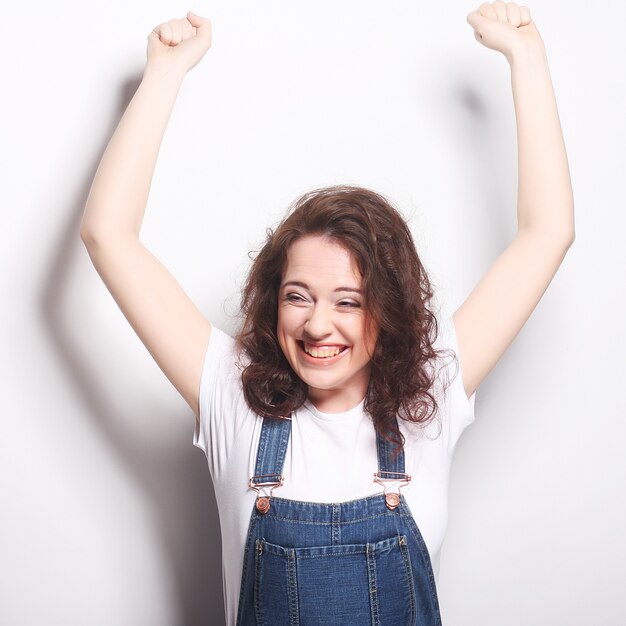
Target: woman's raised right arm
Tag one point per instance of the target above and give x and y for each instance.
(166, 320)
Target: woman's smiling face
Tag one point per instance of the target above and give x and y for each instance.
(322, 323)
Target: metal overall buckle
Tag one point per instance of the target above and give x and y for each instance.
(392, 500)
(263, 501)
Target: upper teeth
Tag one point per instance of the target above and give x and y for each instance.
(321, 351)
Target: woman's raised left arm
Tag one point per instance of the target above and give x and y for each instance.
(503, 300)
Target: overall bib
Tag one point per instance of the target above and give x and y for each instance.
(362, 562)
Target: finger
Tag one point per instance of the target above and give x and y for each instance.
(177, 32)
(524, 16)
(198, 21)
(476, 21)
(202, 28)
(513, 14)
(487, 10)
(500, 9)
(165, 33)
(479, 22)
(187, 29)
(154, 38)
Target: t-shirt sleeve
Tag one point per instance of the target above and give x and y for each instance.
(222, 407)
(458, 409)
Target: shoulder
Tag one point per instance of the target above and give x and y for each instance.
(223, 411)
(222, 354)
(445, 365)
(220, 343)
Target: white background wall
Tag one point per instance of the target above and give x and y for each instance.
(108, 515)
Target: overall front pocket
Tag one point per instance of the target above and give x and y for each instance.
(360, 584)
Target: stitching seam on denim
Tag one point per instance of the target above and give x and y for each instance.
(258, 551)
(244, 573)
(294, 611)
(336, 526)
(408, 570)
(373, 584)
(373, 496)
(299, 521)
(423, 552)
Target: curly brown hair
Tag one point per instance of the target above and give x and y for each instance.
(397, 294)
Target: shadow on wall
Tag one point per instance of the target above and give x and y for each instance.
(187, 519)
(478, 123)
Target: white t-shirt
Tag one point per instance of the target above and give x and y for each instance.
(330, 457)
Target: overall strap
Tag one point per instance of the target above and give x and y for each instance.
(390, 469)
(270, 458)
(390, 466)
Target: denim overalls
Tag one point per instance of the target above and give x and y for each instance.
(362, 562)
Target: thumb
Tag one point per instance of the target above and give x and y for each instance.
(196, 20)
(478, 22)
(492, 33)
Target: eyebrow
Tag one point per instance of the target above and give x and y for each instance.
(297, 283)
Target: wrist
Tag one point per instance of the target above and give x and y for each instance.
(163, 73)
(531, 53)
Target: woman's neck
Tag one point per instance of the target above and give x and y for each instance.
(336, 400)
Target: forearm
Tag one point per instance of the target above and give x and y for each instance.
(545, 200)
(119, 192)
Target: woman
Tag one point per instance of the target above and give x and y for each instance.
(333, 377)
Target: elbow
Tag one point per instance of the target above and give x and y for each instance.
(87, 236)
(98, 236)
(566, 243)
(85, 231)
(571, 241)
(556, 238)
(563, 237)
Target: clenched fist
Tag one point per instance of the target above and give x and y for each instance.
(178, 45)
(505, 27)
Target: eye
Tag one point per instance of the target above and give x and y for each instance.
(349, 304)
(294, 297)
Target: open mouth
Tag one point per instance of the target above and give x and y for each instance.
(322, 352)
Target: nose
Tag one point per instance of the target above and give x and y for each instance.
(319, 322)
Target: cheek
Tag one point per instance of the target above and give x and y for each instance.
(283, 322)
(290, 319)
(285, 326)
(280, 329)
